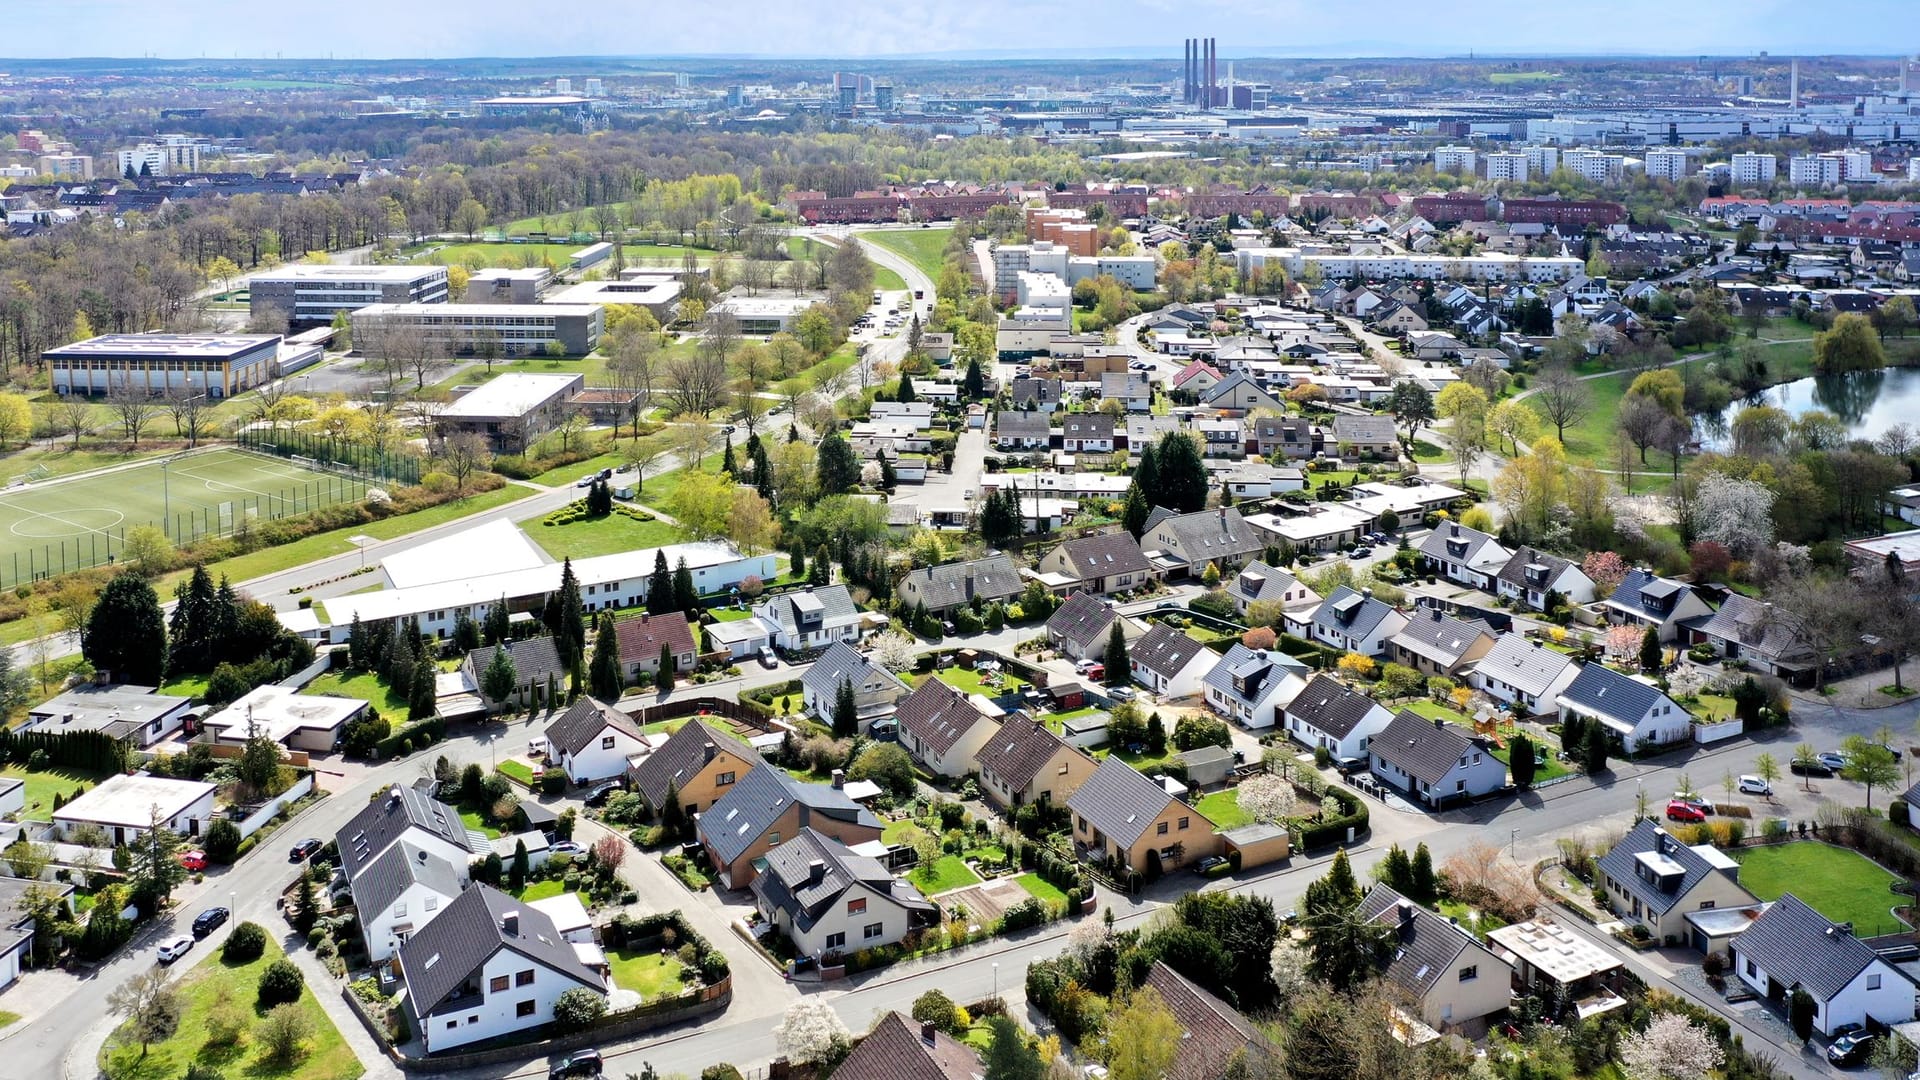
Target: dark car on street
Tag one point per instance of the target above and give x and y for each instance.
(304, 848)
(208, 921)
(1809, 768)
(584, 1064)
(1851, 1049)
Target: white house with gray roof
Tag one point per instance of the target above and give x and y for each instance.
(1632, 708)
(1531, 574)
(810, 619)
(1464, 556)
(1793, 946)
(875, 689)
(402, 890)
(1250, 686)
(1645, 599)
(1356, 622)
(1330, 714)
(827, 899)
(1186, 543)
(944, 588)
(1257, 581)
(1527, 676)
(1168, 662)
(1433, 762)
(1081, 626)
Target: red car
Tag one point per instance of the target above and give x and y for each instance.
(1681, 811)
(194, 860)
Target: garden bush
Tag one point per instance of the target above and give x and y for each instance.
(578, 1009)
(1024, 915)
(280, 983)
(553, 781)
(245, 944)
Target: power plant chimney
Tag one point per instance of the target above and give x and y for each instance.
(1793, 91)
(1213, 73)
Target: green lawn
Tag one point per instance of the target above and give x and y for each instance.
(44, 784)
(925, 248)
(1043, 889)
(1712, 707)
(1056, 722)
(659, 490)
(519, 770)
(1840, 884)
(895, 832)
(1470, 918)
(1142, 762)
(1550, 769)
(63, 460)
(601, 536)
(650, 974)
(968, 682)
(728, 614)
(541, 890)
(477, 256)
(327, 1057)
(1223, 809)
(473, 820)
(1433, 710)
(187, 686)
(947, 872)
(366, 686)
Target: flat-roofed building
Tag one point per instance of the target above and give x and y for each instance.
(514, 409)
(135, 715)
(126, 805)
(313, 295)
(294, 720)
(516, 329)
(765, 314)
(505, 285)
(658, 295)
(217, 365)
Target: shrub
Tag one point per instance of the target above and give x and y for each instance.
(245, 944)
(280, 983)
(223, 841)
(578, 1009)
(553, 781)
(722, 1071)
(1024, 915)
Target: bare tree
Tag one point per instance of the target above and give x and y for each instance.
(630, 369)
(720, 336)
(268, 319)
(640, 455)
(1827, 614)
(692, 438)
(1564, 398)
(133, 407)
(74, 415)
(425, 409)
(187, 410)
(694, 384)
(752, 407)
(463, 455)
(1641, 421)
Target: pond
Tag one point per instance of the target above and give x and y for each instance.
(1867, 402)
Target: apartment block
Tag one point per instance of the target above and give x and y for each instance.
(1668, 165)
(65, 166)
(517, 329)
(1594, 165)
(1542, 160)
(1750, 169)
(1506, 165)
(313, 295)
(1454, 159)
(1818, 170)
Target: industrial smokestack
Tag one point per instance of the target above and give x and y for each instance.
(1186, 72)
(1213, 59)
(1793, 91)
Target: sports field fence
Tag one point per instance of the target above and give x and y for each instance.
(319, 452)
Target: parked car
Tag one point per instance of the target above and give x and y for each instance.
(1678, 810)
(194, 860)
(1852, 1048)
(580, 1063)
(1121, 693)
(1085, 665)
(1754, 785)
(602, 792)
(174, 948)
(1206, 865)
(208, 921)
(1833, 759)
(767, 659)
(1094, 673)
(1695, 800)
(586, 481)
(567, 847)
(1814, 767)
(304, 848)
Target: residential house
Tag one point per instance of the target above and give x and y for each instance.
(1433, 643)
(945, 587)
(1128, 387)
(17, 928)
(488, 966)
(1645, 599)
(1219, 436)
(125, 805)
(1144, 431)
(1464, 556)
(944, 729)
(1250, 686)
(767, 807)
(1526, 676)
(536, 666)
(1169, 663)
(1366, 436)
(1793, 947)
(830, 901)
(1288, 435)
(1653, 879)
(402, 890)
(135, 715)
(1434, 345)
(592, 741)
(1087, 433)
(1398, 318)
(875, 689)
(900, 1048)
(1197, 378)
(1213, 1035)
(1356, 622)
(1762, 639)
(1081, 626)
(1632, 708)
(1531, 574)
(1435, 763)
(411, 816)
(697, 763)
(640, 640)
(1188, 542)
(1103, 563)
(1022, 431)
(1258, 582)
(1327, 713)
(1129, 822)
(1453, 980)
(811, 619)
(1024, 762)
(1037, 395)
(1238, 395)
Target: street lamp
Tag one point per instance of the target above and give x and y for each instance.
(996, 978)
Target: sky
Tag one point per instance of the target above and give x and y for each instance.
(364, 29)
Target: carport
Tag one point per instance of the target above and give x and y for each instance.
(1258, 844)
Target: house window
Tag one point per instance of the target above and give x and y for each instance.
(1185, 822)
(1750, 969)
(523, 978)
(497, 984)
(873, 930)
(1873, 982)
(773, 839)
(1469, 973)
(525, 1008)
(451, 1024)
(433, 903)
(606, 742)
(723, 779)
(1705, 904)
(1065, 767)
(857, 906)
(400, 910)
(1161, 829)
(836, 941)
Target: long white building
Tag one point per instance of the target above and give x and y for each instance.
(1492, 266)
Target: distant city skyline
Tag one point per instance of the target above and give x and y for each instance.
(438, 29)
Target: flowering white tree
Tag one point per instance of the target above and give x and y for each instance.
(811, 1032)
(1266, 798)
(1289, 963)
(1736, 514)
(1672, 1048)
(870, 474)
(895, 652)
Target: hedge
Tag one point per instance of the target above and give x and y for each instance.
(1353, 814)
(424, 733)
(625, 929)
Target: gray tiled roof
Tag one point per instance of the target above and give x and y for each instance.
(1623, 865)
(1021, 424)
(1330, 707)
(1601, 691)
(1454, 542)
(1421, 748)
(382, 881)
(1755, 627)
(952, 584)
(788, 883)
(442, 955)
(387, 819)
(1119, 802)
(1795, 943)
(1087, 426)
(1515, 572)
(840, 662)
(533, 659)
(1205, 535)
(1104, 554)
(1083, 619)
(1641, 593)
(1273, 582)
(13, 928)
(1230, 387)
(937, 715)
(1350, 613)
(1020, 749)
(1039, 391)
(1164, 651)
(583, 722)
(1441, 637)
(1528, 668)
(679, 759)
(835, 603)
(756, 801)
(1365, 430)
(1426, 946)
(1262, 667)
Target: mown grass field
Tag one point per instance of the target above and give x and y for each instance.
(925, 248)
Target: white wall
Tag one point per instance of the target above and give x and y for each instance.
(415, 908)
(494, 1013)
(598, 761)
(892, 918)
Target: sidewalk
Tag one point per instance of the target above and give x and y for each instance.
(327, 989)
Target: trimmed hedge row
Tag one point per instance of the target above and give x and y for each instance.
(1353, 814)
(412, 737)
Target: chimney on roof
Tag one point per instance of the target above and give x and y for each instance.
(816, 870)
(1436, 613)
(926, 1032)
(1367, 593)
(1439, 724)
(1454, 529)
(839, 778)
(706, 751)
(510, 924)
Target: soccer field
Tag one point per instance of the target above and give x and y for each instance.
(63, 525)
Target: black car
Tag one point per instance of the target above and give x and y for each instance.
(1809, 768)
(208, 921)
(580, 1063)
(303, 849)
(1851, 1049)
(602, 793)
